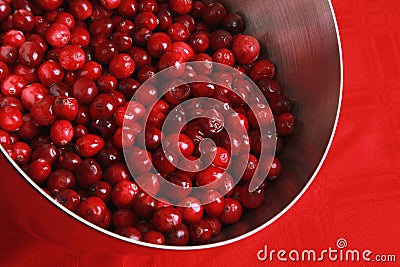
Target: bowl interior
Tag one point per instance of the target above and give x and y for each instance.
(300, 37)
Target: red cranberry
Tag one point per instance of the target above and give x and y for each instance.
(124, 217)
(92, 209)
(80, 9)
(65, 108)
(23, 153)
(157, 44)
(197, 10)
(275, 170)
(109, 156)
(200, 42)
(215, 225)
(147, 19)
(165, 20)
(23, 20)
(128, 9)
(68, 198)
(213, 14)
(178, 32)
(60, 180)
(130, 232)
(216, 203)
(32, 93)
(4, 137)
(39, 170)
(144, 205)
(61, 132)
(178, 236)
(5, 10)
(224, 56)
(139, 161)
(285, 124)
(10, 118)
(116, 173)
(182, 180)
(88, 173)
(58, 35)
(252, 200)
(72, 57)
(46, 151)
(220, 39)
(164, 163)
(84, 90)
(4, 71)
(123, 193)
(191, 210)
(232, 212)
(200, 232)
(14, 38)
(154, 237)
(50, 72)
(89, 145)
(122, 66)
(69, 160)
(165, 219)
(150, 183)
(13, 85)
(8, 54)
(233, 23)
(263, 69)
(42, 111)
(102, 106)
(79, 36)
(246, 49)
(186, 20)
(181, 7)
(280, 104)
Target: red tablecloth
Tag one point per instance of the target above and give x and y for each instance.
(356, 195)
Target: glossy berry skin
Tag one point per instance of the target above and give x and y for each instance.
(31, 94)
(129, 232)
(215, 225)
(89, 145)
(65, 108)
(179, 236)
(61, 132)
(285, 124)
(47, 151)
(58, 35)
(60, 180)
(80, 9)
(233, 23)
(23, 20)
(251, 200)
(88, 173)
(42, 111)
(50, 72)
(30, 54)
(178, 32)
(280, 104)
(181, 7)
(84, 90)
(232, 212)
(144, 205)
(10, 118)
(121, 66)
(200, 232)
(200, 42)
(147, 19)
(275, 170)
(191, 210)
(92, 209)
(213, 14)
(39, 170)
(216, 203)
(224, 56)
(124, 218)
(72, 57)
(246, 49)
(68, 198)
(13, 84)
(165, 219)
(69, 160)
(157, 44)
(123, 194)
(154, 237)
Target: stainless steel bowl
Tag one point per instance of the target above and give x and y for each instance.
(302, 40)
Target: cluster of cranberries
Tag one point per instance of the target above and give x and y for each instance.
(68, 70)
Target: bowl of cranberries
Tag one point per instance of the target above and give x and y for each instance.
(174, 124)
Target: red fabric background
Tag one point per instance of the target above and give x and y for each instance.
(355, 196)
